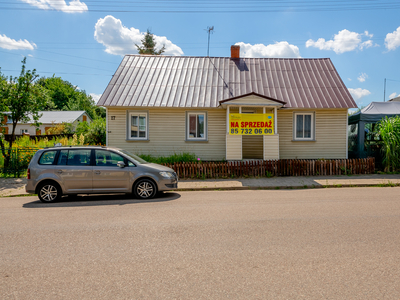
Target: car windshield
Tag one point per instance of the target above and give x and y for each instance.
(135, 157)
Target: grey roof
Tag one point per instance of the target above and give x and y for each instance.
(395, 99)
(375, 111)
(182, 81)
(49, 117)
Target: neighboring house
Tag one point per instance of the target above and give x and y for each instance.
(228, 107)
(48, 120)
(397, 99)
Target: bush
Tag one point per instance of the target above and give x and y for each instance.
(174, 158)
(389, 131)
(96, 134)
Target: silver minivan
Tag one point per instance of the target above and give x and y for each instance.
(73, 170)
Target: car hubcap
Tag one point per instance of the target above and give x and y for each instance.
(48, 193)
(145, 189)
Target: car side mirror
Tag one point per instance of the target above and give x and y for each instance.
(121, 164)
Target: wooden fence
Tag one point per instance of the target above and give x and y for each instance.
(269, 168)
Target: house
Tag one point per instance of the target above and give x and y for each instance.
(228, 107)
(48, 120)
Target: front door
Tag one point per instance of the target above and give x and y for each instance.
(107, 176)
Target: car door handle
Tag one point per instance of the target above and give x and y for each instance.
(97, 172)
(59, 171)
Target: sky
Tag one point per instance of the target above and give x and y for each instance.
(83, 42)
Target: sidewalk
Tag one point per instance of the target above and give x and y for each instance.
(16, 186)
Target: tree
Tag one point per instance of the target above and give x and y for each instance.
(149, 45)
(66, 96)
(22, 100)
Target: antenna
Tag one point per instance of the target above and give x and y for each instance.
(210, 30)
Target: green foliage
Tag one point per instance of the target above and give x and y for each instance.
(389, 131)
(149, 45)
(82, 128)
(65, 96)
(96, 134)
(22, 99)
(174, 158)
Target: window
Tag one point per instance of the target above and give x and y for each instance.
(137, 126)
(24, 131)
(47, 158)
(304, 126)
(107, 158)
(78, 157)
(196, 127)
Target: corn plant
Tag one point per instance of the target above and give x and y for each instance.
(389, 131)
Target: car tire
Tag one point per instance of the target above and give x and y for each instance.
(145, 189)
(49, 192)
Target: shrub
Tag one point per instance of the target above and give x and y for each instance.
(389, 131)
(96, 134)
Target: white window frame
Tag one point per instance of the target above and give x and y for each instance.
(188, 114)
(312, 137)
(130, 114)
(24, 131)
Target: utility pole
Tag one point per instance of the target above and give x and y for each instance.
(384, 91)
(210, 30)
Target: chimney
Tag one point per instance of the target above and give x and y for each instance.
(235, 51)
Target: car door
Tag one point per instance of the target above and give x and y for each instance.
(75, 170)
(107, 176)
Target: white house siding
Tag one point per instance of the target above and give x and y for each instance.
(271, 146)
(330, 135)
(167, 133)
(234, 147)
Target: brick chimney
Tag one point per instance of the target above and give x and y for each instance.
(235, 51)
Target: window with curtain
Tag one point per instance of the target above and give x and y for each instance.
(138, 126)
(304, 126)
(196, 126)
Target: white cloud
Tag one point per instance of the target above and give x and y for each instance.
(120, 40)
(392, 40)
(10, 44)
(343, 41)
(349, 79)
(95, 97)
(359, 93)
(279, 49)
(393, 95)
(362, 77)
(74, 6)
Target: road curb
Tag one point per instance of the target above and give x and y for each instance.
(278, 187)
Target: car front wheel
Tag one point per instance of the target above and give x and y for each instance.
(49, 192)
(145, 189)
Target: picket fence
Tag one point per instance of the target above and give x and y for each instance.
(269, 168)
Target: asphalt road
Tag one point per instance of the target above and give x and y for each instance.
(282, 244)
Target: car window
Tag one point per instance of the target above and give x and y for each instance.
(62, 158)
(78, 157)
(74, 157)
(107, 158)
(47, 158)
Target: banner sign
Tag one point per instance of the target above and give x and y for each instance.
(251, 124)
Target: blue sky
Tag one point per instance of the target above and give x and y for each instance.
(84, 41)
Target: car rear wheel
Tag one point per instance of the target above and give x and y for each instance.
(49, 192)
(145, 189)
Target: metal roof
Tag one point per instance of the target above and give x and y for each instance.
(185, 81)
(49, 117)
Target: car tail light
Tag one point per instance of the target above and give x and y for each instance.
(29, 174)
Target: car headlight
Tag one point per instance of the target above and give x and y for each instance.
(167, 174)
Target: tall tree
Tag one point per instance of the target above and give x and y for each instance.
(149, 45)
(66, 96)
(22, 100)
